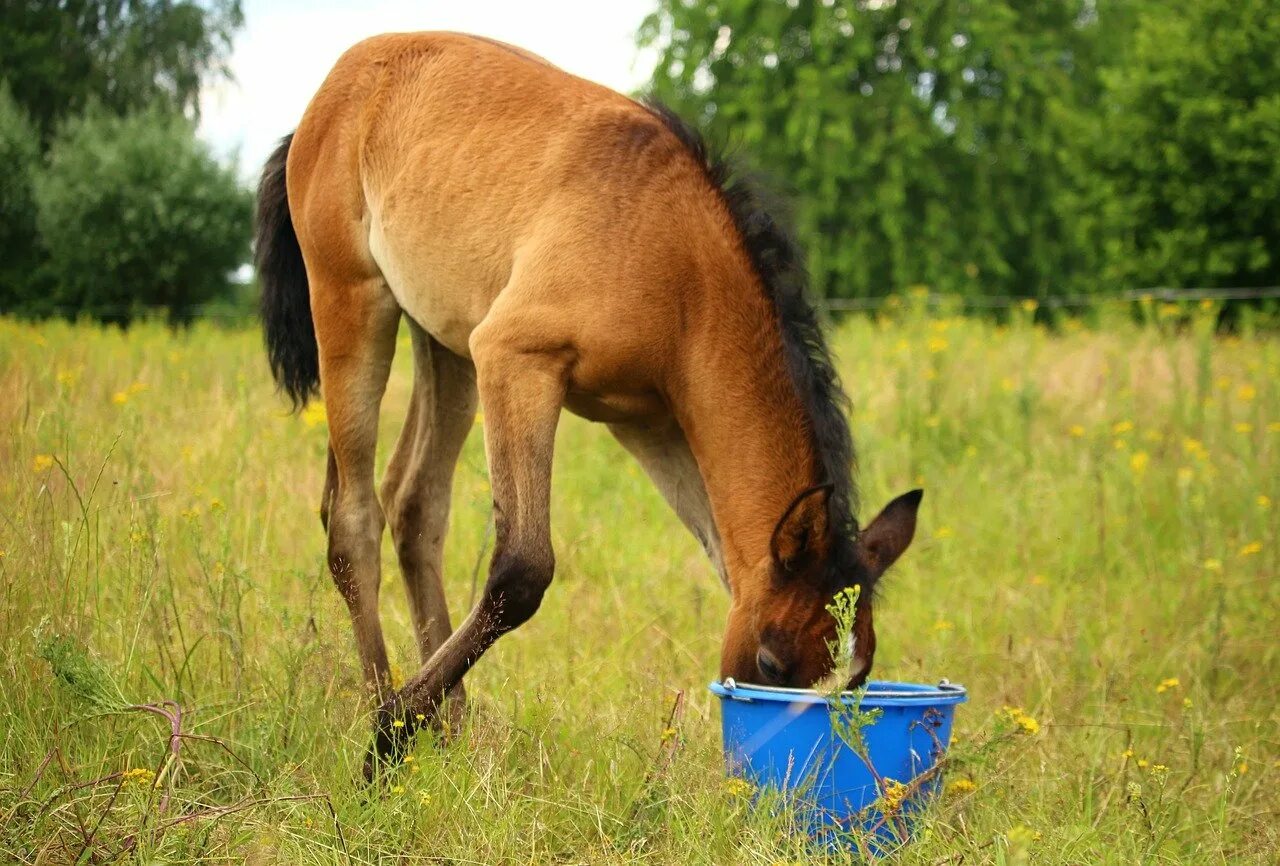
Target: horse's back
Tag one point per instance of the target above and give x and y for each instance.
(458, 162)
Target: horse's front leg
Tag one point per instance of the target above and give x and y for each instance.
(522, 387)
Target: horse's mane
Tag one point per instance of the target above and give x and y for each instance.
(779, 263)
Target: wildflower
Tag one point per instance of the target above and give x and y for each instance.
(424, 798)
(738, 788)
(1186, 703)
(1022, 836)
(120, 398)
(138, 387)
(1166, 684)
(1029, 305)
(893, 795)
(421, 717)
(1122, 427)
(1039, 580)
(1273, 427)
(1121, 444)
(41, 462)
(1250, 549)
(1142, 763)
(938, 344)
(943, 625)
(1194, 447)
(1076, 431)
(959, 787)
(902, 346)
(1246, 392)
(1206, 304)
(190, 513)
(1134, 790)
(215, 504)
(409, 759)
(67, 377)
(1138, 462)
(397, 675)
(932, 421)
(1159, 769)
(1168, 311)
(1126, 755)
(139, 776)
(314, 414)
(1213, 565)
(943, 532)
(1019, 717)
(1264, 501)
(397, 789)
(1244, 427)
(398, 723)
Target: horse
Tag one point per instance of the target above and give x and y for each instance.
(554, 244)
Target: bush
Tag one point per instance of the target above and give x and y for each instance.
(135, 213)
(19, 159)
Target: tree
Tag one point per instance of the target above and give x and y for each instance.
(19, 159)
(135, 212)
(1187, 147)
(60, 56)
(933, 141)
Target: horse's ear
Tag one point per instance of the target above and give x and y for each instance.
(887, 537)
(803, 523)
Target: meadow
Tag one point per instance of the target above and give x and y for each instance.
(1097, 562)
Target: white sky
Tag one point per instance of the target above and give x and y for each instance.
(288, 46)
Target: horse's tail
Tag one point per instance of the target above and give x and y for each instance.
(286, 302)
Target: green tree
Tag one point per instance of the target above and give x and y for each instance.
(60, 56)
(19, 159)
(931, 141)
(1188, 145)
(134, 213)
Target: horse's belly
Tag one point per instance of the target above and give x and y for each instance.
(443, 294)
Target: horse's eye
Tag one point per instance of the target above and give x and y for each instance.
(770, 668)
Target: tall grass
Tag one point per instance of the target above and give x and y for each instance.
(1098, 550)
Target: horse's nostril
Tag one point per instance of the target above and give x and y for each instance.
(770, 668)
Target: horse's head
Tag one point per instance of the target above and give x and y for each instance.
(780, 631)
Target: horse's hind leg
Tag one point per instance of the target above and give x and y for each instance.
(419, 480)
(355, 326)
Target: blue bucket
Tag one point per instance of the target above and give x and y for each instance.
(787, 740)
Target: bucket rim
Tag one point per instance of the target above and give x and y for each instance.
(876, 693)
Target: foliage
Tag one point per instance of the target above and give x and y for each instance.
(1097, 546)
(1191, 129)
(135, 212)
(61, 57)
(19, 158)
(998, 147)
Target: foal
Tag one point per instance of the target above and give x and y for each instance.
(554, 244)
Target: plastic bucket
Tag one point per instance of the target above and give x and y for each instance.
(789, 740)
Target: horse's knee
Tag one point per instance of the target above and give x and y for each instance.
(516, 586)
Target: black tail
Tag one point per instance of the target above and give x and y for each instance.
(286, 303)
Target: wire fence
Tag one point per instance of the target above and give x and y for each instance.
(230, 313)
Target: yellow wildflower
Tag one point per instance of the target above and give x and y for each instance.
(424, 798)
(41, 462)
(943, 532)
(1019, 717)
(409, 759)
(893, 795)
(943, 625)
(1273, 427)
(1030, 305)
(1246, 392)
(960, 786)
(1167, 684)
(397, 789)
(120, 398)
(1142, 763)
(1250, 549)
(668, 734)
(138, 387)
(1126, 755)
(1039, 580)
(68, 377)
(1244, 427)
(216, 504)
(314, 414)
(736, 787)
(938, 344)
(1138, 462)
(1121, 427)
(1186, 703)
(1264, 501)
(398, 723)
(420, 717)
(1076, 431)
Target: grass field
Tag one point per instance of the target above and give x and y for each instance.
(1098, 547)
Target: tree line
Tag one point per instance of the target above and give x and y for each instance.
(110, 205)
(977, 147)
(998, 147)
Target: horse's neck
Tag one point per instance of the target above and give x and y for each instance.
(747, 429)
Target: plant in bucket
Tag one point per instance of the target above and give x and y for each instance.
(855, 768)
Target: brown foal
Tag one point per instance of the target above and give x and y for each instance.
(554, 244)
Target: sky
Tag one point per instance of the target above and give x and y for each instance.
(287, 47)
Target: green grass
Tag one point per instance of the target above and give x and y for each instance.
(1098, 520)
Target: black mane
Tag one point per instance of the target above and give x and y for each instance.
(779, 263)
